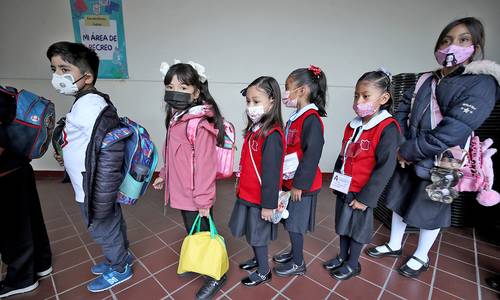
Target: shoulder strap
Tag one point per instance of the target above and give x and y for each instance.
(192, 128)
(419, 84)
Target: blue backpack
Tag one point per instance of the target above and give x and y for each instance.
(141, 158)
(31, 131)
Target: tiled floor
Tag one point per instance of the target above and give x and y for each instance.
(460, 263)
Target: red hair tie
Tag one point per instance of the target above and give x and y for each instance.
(315, 70)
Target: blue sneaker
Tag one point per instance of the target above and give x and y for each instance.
(102, 267)
(109, 279)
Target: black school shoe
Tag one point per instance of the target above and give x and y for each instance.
(373, 252)
(283, 258)
(333, 263)
(256, 278)
(409, 272)
(345, 272)
(494, 282)
(290, 269)
(6, 291)
(210, 288)
(249, 264)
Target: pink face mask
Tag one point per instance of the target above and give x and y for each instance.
(287, 101)
(364, 109)
(453, 55)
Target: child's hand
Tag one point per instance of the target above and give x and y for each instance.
(266, 214)
(59, 159)
(402, 161)
(158, 183)
(204, 212)
(355, 204)
(296, 194)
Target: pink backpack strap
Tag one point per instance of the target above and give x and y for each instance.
(191, 129)
(419, 84)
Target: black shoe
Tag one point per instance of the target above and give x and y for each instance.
(345, 272)
(255, 278)
(290, 269)
(249, 264)
(494, 282)
(333, 263)
(409, 272)
(210, 288)
(373, 252)
(283, 257)
(6, 291)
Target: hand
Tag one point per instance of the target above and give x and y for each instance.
(355, 204)
(266, 214)
(402, 161)
(59, 159)
(204, 212)
(296, 194)
(158, 183)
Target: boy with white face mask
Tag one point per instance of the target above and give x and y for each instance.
(95, 171)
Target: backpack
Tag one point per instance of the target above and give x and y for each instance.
(477, 167)
(225, 153)
(141, 158)
(34, 123)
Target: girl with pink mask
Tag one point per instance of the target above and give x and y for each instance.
(366, 163)
(441, 113)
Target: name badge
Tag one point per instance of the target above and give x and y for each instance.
(341, 182)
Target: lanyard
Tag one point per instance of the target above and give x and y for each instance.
(354, 138)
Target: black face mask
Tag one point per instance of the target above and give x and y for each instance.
(178, 100)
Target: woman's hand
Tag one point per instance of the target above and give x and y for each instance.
(266, 214)
(296, 194)
(204, 212)
(158, 183)
(355, 204)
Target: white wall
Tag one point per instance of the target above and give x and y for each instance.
(238, 41)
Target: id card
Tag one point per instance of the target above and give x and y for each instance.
(341, 182)
(291, 163)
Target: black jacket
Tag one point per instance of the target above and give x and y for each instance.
(466, 99)
(103, 166)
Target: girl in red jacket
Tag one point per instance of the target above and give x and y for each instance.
(261, 170)
(306, 92)
(363, 169)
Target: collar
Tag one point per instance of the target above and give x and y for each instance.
(299, 113)
(381, 115)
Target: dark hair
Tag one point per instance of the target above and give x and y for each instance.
(76, 54)
(475, 28)
(188, 75)
(273, 117)
(317, 85)
(381, 81)
(7, 108)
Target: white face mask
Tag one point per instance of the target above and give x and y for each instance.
(289, 102)
(255, 113)
(65, 84)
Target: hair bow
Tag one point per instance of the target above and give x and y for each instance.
(315, 70)
(200, 69)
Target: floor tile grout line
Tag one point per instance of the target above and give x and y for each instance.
(433, 280)
(54, 286)
(58, 228)
(446, 292)
(478, 278)
(332, 291)
(395, 295)
(386, 282)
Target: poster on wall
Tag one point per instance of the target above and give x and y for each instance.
(99, 25)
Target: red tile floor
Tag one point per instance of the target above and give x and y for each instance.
(460, 262)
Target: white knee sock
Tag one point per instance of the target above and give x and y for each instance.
(425, 242)
(397, 231)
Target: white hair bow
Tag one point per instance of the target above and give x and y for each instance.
(384, 70)
(164, 67)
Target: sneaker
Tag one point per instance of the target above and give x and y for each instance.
(44, 273)
(104, 266)
(6, 291)
(109, 279)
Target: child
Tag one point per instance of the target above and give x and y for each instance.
(24, 244)
(189, 170)
(95, 175)
(465, 91)
(261, 169)
(305, 91)
(365, 165)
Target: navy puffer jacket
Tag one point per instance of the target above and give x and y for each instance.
(466, 98)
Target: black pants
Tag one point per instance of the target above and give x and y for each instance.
(24, 244)
(189, 216)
